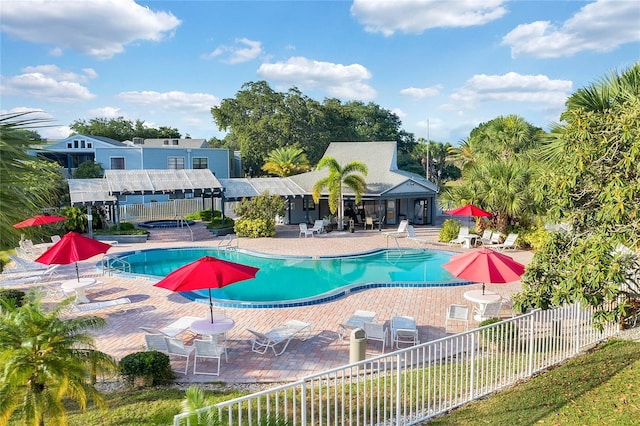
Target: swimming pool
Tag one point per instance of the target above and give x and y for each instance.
(298, 281)
(165, 223)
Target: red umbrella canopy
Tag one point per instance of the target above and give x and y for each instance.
(469, 210)
(72, 248)
(485, 266)
(207, 273)
(39, 220)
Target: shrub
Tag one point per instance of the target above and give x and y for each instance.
(217, 223)
(153, 366)
(126, 226)
(12, 296)
(203, 215)
(449, 230)
(507, 332)
(255, 228)
(534, 238)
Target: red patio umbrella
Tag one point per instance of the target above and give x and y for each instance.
(72, 248)
(486, 266)
(39, 220)
(206, 273)
(469, 210)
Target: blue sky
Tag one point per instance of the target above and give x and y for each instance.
(442, 66)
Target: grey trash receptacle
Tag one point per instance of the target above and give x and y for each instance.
(357, 345)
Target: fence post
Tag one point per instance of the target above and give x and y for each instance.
(472, 381)
(398, 389)
(303, 404)
(531, 340)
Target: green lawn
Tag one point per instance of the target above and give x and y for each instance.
(599, 388)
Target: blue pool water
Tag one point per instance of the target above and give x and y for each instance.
(304, 280)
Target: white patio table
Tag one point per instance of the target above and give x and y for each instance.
(78, 286)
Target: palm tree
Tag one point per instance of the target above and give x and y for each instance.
(286, 161)
(349, 176)
(44, 359)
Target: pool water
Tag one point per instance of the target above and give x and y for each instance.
(295, 278)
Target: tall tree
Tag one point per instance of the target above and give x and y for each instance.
(286, 161)
(350, 176)
(45, 359)
(595, 187)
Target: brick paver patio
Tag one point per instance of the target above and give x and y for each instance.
(157, 307)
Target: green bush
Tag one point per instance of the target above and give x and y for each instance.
(218, 223)
(126, 226)
(12, 296)
(153, 366)
(255, 228)
(204, 215)
(534, 238)
(449, 230)
(505, 333)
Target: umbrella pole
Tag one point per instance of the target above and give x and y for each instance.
(77, 272)
(211, 306)
(482, 288)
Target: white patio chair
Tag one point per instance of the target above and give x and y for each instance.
(368, 221)
(376, 331)
(402, 229)
(207, 349)
(281, 334)
(356, 320)
(404, 331)
(156, 342)
(177, 348)
(457, 313)
(304, 230)
(485, 238)
(490, 310)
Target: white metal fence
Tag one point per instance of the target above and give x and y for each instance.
(414, 384)
(163, 210)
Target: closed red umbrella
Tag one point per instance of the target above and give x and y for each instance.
(72, 248)
(485, 266)
(206, 273)
(39, 220)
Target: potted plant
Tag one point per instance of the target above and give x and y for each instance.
(328, 222)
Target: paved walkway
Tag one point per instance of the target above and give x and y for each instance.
(157, 307)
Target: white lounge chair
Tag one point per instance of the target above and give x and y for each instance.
(411, 234)
(92, 306)
(281, 334)
(401, 231)
(156, 342)
(172, 330)
(460, 239)
(404, 331)
(318, 227)
(508, 244)
(485, 238)
(27, 265)
(304, 230)
(356, 320)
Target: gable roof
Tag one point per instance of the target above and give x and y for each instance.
(381, 160)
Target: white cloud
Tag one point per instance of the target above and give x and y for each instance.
(242, 51)
(416, 16)
(400, 113)
(427, 92)
(107, 112)
(340, 81)
(513, 87)
(97, 28)
(172, 101)
(50, 83)
(601, 26)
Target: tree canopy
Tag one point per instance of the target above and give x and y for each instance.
(591, 182)
(260, 120)
(121, 129)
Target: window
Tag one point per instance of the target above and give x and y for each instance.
(200, 163)
(174, 141)
(69, 145)
(117, 163)
(75, 143)
(175, 163)
(82, 144)
(89, 145)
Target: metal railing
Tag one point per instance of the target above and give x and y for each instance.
(111, 264)
(412, 385)
(227, 242)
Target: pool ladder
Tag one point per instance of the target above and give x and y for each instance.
(182, 221)
(226, 243)
(111, 264)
